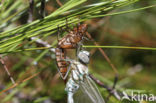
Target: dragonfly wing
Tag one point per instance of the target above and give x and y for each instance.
(89, 92)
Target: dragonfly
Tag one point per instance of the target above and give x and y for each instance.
(71, 41)
(80, 87)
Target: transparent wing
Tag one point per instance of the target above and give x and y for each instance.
(88, 92)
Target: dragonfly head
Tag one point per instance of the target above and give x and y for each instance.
(83, 28)
(84, 56)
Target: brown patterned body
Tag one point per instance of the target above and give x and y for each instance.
(69, 41)
(61, 63)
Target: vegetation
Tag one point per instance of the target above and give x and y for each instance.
(113, 24)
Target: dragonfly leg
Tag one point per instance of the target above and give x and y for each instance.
(42, 9)
(58, 33)
(31, 10)
(78, 21)
(79, 47)
(67, 27)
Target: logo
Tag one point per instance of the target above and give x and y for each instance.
(137, 96)
(125, 96)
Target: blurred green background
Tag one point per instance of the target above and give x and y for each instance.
(136, 67)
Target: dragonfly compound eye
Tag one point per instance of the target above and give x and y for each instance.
(84, 56)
